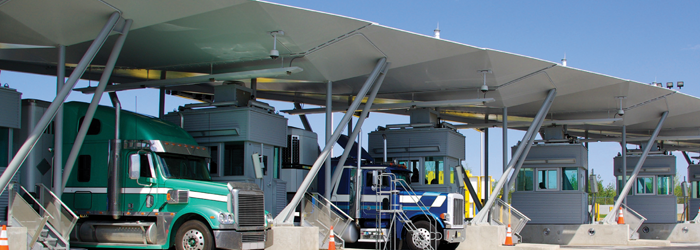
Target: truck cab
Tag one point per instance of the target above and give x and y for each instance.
(151, 189)
(386, 190)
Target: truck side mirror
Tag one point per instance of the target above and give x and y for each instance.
(375, 178)
(134, 166)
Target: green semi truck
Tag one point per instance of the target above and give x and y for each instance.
(150, 188)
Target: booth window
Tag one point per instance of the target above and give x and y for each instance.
(621, 185)
(645, 185)
(414, 167)
(569, 179)
(233, 159)
(547, 179)
(694, 190)
(664, 184)
(525, 180)
(434, 170)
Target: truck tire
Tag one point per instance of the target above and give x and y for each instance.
(418, 240)
(194, 235)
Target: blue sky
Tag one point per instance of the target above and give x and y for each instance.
(638, 40)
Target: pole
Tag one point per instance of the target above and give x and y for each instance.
(487, 181)
(506, 194)
(284, 217)
(351, 140)
(537, 121)
(624, 157)
(329, 130)
(609, 219)
(161, 95)
(58, 125)
(90, 113)
(36, 133)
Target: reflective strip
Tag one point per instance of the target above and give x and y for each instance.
(93, 190)
(205, 196)
(341, 198)
(373, 198)
(145, 190)
(3, 242)
(3, 234)
(439, 201)
(410, 198)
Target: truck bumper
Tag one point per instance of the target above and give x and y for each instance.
(229, 239)
(454, 235)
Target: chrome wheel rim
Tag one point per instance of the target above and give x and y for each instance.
(421, 238)
(193, 240)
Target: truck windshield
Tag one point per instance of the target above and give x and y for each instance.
(184, 167)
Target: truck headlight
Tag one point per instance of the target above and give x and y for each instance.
(225, 218)
(268, 220)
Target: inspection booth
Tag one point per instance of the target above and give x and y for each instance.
(240, 131)
(694, 201)
(551, 185)
(9, 127)
(652, 197)
(428, 148)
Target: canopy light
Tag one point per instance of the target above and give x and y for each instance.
(669, 85)
(679, 84)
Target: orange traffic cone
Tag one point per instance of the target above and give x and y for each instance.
(621, 217)
(331, 241)
(3, 238)
(509, 236)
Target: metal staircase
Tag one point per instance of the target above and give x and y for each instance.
(503, 214)
(49, 221)
(421, 236)
(317, 211)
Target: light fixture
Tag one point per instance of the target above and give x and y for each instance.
(669, 85)
(485, 88)
(680, 84)
(274, 53)
(658, 84)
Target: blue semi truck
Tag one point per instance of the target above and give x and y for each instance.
(386, 209)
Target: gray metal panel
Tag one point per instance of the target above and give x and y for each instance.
(693, 208)
(267, 128)
(653, 161)
(656, 208)
(552, 151)
(693, 172)
(10, 111)
(415, 138)
(37, 167)
(552, 208)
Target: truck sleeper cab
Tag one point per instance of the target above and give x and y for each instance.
(157, 193)
(431, 212)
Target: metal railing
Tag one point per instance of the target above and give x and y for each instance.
(503, 213)
(319, 212)
(632, 218)
(61, 218)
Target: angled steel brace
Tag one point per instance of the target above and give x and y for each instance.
(50, 112)
(90, 113)
(351, 140)
(285, 217)
(610, 218)
(482, 216)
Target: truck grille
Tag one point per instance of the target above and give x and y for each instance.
(251, 210)
(458, 218)
(256, 237)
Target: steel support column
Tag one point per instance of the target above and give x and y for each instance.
(487, 181)
(505, 147)
(90, 113)
(58, 125)
(610, 218)
(161, 96)
(284, 217)
(351, 140)
(329, 131)
(50, 112)
(624, 157)
(481, 217)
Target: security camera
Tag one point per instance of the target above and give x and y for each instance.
(484, 88)
(620, 112)
(274, 54)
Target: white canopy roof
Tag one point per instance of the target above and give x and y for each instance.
(188, 38)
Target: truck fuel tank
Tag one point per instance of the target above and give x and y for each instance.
(119, 232)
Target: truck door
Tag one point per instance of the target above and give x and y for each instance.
(140, 190)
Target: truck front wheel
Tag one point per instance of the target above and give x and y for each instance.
(420, 239)
(194, 235)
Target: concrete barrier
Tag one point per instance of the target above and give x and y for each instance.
(677, 232)
(17, 238)
(294, 238)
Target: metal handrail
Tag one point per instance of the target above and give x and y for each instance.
(522, 218)
(59, 200)
(639, 216)
(37, 202)
(334, 206)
